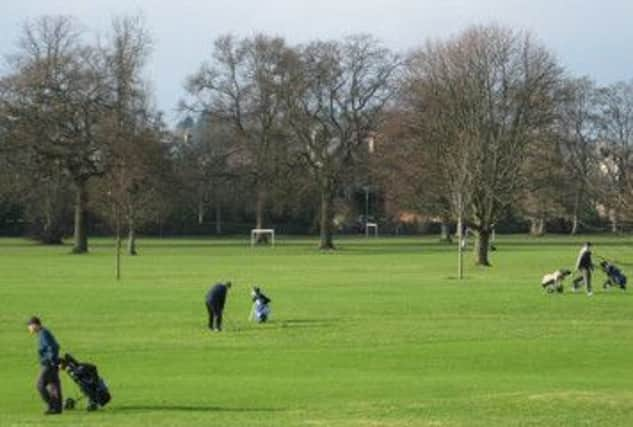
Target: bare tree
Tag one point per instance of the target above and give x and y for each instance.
(133, 134)
(241, 87)
(57, 92)
(484, 97)
(130, 191)
(615, 119)
(209, 167)
(577, 131)
(407, 169)
(544, 194)
(336, 97)
(40, 187)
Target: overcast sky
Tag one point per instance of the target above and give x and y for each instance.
(590, 37)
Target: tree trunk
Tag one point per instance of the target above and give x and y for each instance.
(131, 238)
(533, 227)
(327, 220)
(259, 210)
(218, 219)
(52, 233)
(117, 247)
(259, 215)
(460, 239)
(200, 212)
(482, 246)
(542, 227)
(445, 232)
(537, 226)
(81, 232)
(613, 216)
(574, 224)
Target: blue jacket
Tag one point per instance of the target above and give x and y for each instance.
(47, 348)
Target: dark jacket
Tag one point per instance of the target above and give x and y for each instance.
(217, 295)
(263, 299)
(584, 260)
(47, 348)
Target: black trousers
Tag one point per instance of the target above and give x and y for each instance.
(215, 315)
(585, 277)
(50, 388)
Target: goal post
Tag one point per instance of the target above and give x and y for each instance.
(256, 232)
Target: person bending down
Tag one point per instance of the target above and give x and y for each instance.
(215, 300)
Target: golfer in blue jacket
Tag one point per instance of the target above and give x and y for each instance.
(48, 384)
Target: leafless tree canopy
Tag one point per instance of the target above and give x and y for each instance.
(335, 101)
(483, 98)
(615, 133)
(483, 128)
(76, 108)
(241, 88)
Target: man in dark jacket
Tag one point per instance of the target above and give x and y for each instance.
(216, 297)
(584, 265)
(48, 383)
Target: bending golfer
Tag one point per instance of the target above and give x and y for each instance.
(216, 297)
(584, 265)
(48, 383)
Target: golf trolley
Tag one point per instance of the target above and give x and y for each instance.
(92, 386)
(553, 282)
(615, 277)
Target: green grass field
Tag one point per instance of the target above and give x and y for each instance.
(377, 334)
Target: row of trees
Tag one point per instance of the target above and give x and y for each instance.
(469, 129)
(489, 124)
(270, 119)
(76, 119)
(289, 111)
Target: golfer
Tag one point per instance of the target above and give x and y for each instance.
(261, 307)
(216, 297)
(48, 384)
(584, 265)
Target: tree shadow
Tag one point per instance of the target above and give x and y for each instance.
(189, 408)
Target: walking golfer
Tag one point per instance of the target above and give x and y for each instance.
(48, 384)
(216, 297)
(584, 265)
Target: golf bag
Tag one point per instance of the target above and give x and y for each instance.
(261, 311)
(261, 308)
(615, 277)
(86, 376)
(553, 282)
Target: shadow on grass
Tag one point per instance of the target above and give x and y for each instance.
(189, 408)
(303, 321)
(562, 242)
(308, 323)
